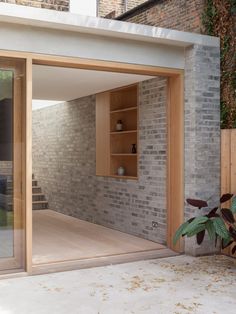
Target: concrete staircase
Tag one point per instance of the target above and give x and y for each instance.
(38, 198)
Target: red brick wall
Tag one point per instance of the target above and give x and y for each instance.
(59, 5)
(107, 6)
(184, 15)
(133, 3)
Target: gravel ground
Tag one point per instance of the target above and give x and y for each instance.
(176, 285)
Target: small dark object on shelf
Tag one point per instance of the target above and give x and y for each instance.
(134, 149)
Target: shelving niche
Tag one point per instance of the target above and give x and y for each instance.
(120, 104)
(124, 107)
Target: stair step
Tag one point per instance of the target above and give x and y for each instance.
(9, 185)
(33, 188)
(35, 205)
(34, 202)
(10, 181)
(40, 202)
(38, 197)
(36, 190)
(9, 207)
(34, 183)
(40, 205)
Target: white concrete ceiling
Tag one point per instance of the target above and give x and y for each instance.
(63, 84)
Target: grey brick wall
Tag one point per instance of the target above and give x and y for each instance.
(202, 132)
(6, 168)
(64, 163)
(6, 171)
(137, 204)
(64, 155)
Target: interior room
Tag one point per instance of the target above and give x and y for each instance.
(99, 164)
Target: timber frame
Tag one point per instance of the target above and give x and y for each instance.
(175, 140)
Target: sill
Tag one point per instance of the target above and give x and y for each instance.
(124, 132)
(124, 154)
(123, 110)
(124, 177)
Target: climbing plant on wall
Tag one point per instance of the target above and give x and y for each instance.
(219, 19)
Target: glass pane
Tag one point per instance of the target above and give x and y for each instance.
(6, 164)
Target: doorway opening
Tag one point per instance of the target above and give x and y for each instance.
(78, 215)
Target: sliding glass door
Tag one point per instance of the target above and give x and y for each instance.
(12, 211)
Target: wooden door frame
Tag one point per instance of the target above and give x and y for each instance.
(175, 138)
(175, 159)
(228, 170)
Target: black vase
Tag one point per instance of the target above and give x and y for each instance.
(134, 149)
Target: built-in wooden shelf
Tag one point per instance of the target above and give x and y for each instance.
(124, 154)
(124, 132)
(124, 107)
(123, 110)
(123, 177)
(114, 148)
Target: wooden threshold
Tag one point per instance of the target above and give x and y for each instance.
(101, 261)
(14, 273)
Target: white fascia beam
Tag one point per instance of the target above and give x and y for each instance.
(66, 21)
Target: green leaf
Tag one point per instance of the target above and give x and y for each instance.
(211, 229)
(195, 222)
(180, 232)
(220, 228)
(233, 205)
(196, 229)
(226, 241)
(233, 10)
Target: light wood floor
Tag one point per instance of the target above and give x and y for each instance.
(57, 237)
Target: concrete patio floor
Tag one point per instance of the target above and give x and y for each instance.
(176, 285)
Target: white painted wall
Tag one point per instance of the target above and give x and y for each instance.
(88, 7)
(42, 103)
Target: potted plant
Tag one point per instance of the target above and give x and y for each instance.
(219, 223)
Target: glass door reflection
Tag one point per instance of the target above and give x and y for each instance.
(6, 164)
(12, 215)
